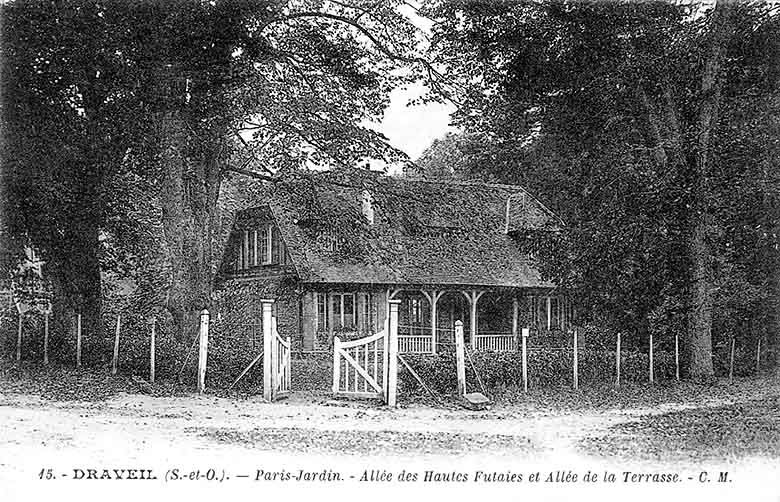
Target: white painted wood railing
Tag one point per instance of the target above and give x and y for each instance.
(495, 341)
(415, 344)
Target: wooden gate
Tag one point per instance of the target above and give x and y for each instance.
(368, 367)
(276, 357)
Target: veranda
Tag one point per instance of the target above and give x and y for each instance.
(492, 318)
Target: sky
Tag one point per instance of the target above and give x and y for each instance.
(412, 129)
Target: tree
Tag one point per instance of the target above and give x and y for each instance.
(166, 99)
(449, 157)
(623, 116)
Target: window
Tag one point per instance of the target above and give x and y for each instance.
(322, 312)
(367, 313)
(344, 312)
(261, 246)
(252, 248)
(265, 256)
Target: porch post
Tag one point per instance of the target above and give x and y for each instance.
(473, 297)
(390, 295)
(433, 299)
(473, 330)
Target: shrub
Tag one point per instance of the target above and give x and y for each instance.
(550, 368)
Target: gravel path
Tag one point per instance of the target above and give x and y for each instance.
(250, 435)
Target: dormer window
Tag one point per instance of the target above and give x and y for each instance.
(262, 246)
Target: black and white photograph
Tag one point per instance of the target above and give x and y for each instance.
(485, 250)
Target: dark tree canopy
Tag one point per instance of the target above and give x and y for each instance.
(648, 127)
(122, 119)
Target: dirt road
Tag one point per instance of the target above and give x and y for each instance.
(311, 441)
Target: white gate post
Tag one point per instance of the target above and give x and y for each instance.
(392, 361)
(337, 364)
(459, 357)
(268, 380)
(203, 351)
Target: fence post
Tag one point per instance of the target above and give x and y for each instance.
(392, 361)
(78, 340)
(203, 351)
(459, 357)
(576, 361)
(19, 339)
(152, 344)
(268, 377)
(115, 357)
(46, 337)
(677, 356)
(652, 375)
(758, 358)
(617, 361)
(731, 360)
(525, 333)
(337, 365)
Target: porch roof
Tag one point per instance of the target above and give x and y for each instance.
(424, 231)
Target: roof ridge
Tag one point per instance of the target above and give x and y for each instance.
(483, 184)
(461, 182)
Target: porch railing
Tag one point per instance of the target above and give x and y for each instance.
(497, 341)
(415, 344)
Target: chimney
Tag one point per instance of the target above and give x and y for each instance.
(368, 206)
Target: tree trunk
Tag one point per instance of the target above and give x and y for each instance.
(190, 214)
(699, 335)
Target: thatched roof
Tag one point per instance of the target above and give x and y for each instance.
(424, 231)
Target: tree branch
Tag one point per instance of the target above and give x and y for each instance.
(433, 75)
(252, 174)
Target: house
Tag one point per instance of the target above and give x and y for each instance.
(332, 247)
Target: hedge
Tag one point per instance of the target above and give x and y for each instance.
(549, 368)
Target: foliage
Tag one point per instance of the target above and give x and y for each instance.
(121, 127)
(450, 156)
(648, 127)
(546, 368)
